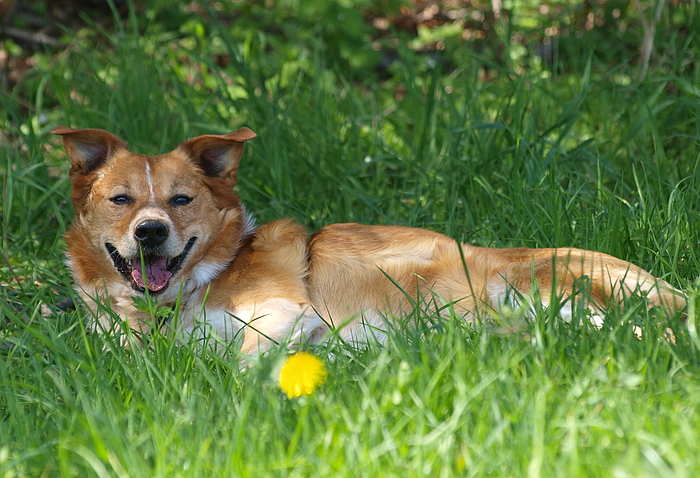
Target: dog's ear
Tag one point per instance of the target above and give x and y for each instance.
(218, 155)
(88, 149)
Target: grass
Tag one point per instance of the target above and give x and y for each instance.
(587, 157)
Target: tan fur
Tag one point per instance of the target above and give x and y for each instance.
(274, 283)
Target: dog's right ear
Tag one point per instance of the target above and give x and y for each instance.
(88, 149)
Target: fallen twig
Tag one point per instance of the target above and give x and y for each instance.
(31, 37)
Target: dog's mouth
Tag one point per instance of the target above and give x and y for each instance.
(158, 269)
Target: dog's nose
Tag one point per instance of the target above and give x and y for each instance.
(151, 233)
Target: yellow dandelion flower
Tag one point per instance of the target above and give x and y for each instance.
(301, 374)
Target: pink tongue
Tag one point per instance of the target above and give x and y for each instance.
(157, 274)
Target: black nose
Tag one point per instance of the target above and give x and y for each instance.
(151, 233)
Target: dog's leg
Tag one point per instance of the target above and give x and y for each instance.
(602, 280)
(276, 321)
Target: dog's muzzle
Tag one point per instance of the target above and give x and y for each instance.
(150, 270)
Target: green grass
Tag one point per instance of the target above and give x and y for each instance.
(586, 157)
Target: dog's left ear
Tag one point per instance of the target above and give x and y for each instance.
(218, 155)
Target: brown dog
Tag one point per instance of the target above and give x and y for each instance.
(171, 226)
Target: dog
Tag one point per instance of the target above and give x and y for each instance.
(171, 227)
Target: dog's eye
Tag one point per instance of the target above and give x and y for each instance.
(121, 199)
(181, 200)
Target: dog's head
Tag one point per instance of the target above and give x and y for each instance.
(154, 217)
